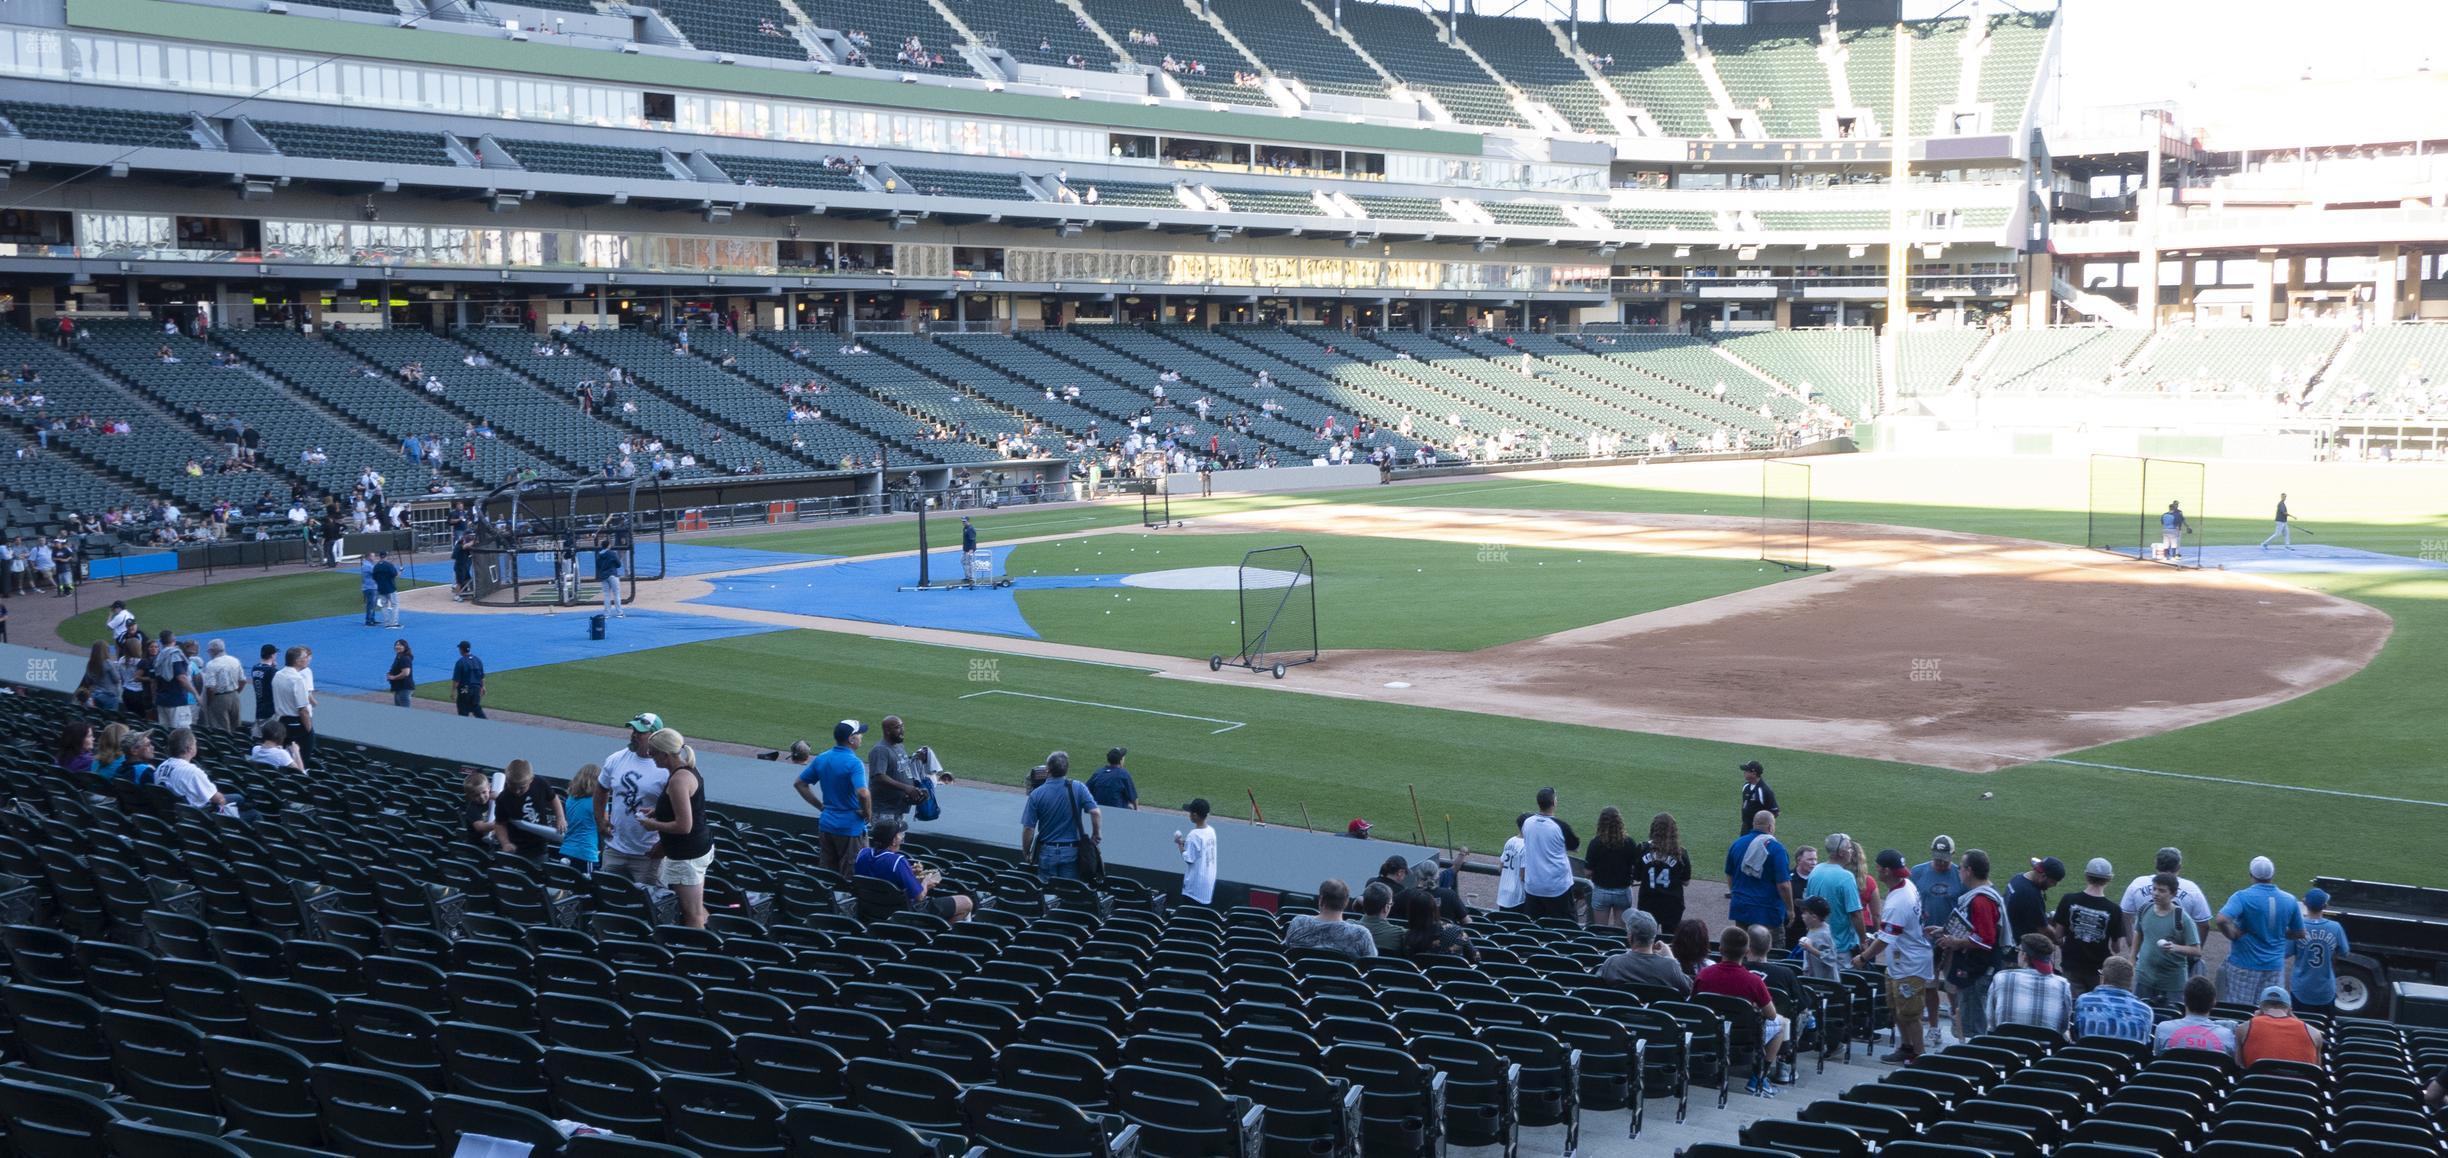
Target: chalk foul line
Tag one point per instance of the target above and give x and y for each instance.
(2241, 783)
(1229, 725)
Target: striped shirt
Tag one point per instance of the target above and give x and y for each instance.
(2111, 1012)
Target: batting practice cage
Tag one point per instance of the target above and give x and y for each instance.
(1785, 515)
(1278, 618)
(2130, 507)
(536, 539)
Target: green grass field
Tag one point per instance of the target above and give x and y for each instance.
(226, 606)
(2378, 733)
(1377, 593)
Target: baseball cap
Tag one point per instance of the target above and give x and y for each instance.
(2050, 867)
(1752, 766)
(1358, 827)
(1115, 755)
(2262, 869)
(645, 722)
(846, 729)
(1889, 858)
(2316, 899)
(2277, 995)
(667, 741)
(1944, 844)
(2099, 869)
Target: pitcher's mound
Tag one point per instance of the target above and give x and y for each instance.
(1213, 579)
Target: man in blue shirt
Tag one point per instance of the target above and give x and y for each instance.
(2110, 1008)
(1761, 876)
(1050, 824)
(2314, 959)
(365, 585)
(835, 783)
(2172, 530)
(261, 676)
(608, 577)
(2259, 920)
(1112, 785)
(968, 550)
(467, 681)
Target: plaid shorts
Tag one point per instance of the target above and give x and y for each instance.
(2244, 986)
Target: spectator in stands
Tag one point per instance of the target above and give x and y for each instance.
(188, 781)
(1728, 977)
(2167, 940)
(1976, 944)
(2089, 925)
(1757, 797)
(1902, 938)
(2196, 1029)
(1758, 873)
(524, 805)
(476, 807)
(884, 860)
(1394, 872)
(2033, 995)
(1326, 930)
(2275, 1034)
(1610, 858)
(100, 683)
(1112, 785)
(1665, 867)
(223, 680)
(835, 784)
(2312, 977)
(1511, 894)
(1691, 945)
(1547, 876)
(1817, 946)
(467, 681)
(2027, 895)
(631, 777)
(2259, 919)
(73, 750)
(1377, 900)
(1644, 961)
(1198, 849)
(678, 819)
(1833, 882)
(272, 748)
(2110, 1009)
(896, 781)
(1939, 880)
(1426, 929)
(1050, 822)
(579, 845)
(2189, 896)
(174, 687)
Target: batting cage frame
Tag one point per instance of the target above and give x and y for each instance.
(1278, 604)
(1785, 515)
(1156, 508)
(536, 538)
(2128, 499)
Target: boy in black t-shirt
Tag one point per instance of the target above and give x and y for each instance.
(2089, 926)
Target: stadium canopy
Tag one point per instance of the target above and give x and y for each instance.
(1713, 11)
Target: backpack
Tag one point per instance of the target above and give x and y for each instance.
(1966, 966)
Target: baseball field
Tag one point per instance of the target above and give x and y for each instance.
(1965, 667)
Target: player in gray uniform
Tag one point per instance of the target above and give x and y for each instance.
(2286, 527)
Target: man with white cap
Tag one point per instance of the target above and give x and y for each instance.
(2260, 918)
(2089, 925)
(2189, 896)
(631, 780)
(1939, 880)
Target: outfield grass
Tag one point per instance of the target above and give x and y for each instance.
(1371, 593)
(225, 606)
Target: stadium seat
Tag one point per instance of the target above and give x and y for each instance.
(372, 1112)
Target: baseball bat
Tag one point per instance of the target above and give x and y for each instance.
(1304, 807)
(1419, 826)
(1255, 812)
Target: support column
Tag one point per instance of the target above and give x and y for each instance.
(2385, 283)
(2039, 279)
(2295, 272)
(2146, 289)
(600, 313)
(1674, 313)
(2265, 275)
(1784, 313)
(2184, 285)
(1899, 248)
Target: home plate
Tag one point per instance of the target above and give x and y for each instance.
(1214, 579)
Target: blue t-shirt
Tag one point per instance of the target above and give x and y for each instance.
(889, 866)
(2170, 520)
(166, 691)
(1843, 892)
(838, 774)
(1053, 810)
(1755, 900)
(2314, 976)
(365, 575)
(607, 563)
(2264, 914)
(579, 842)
